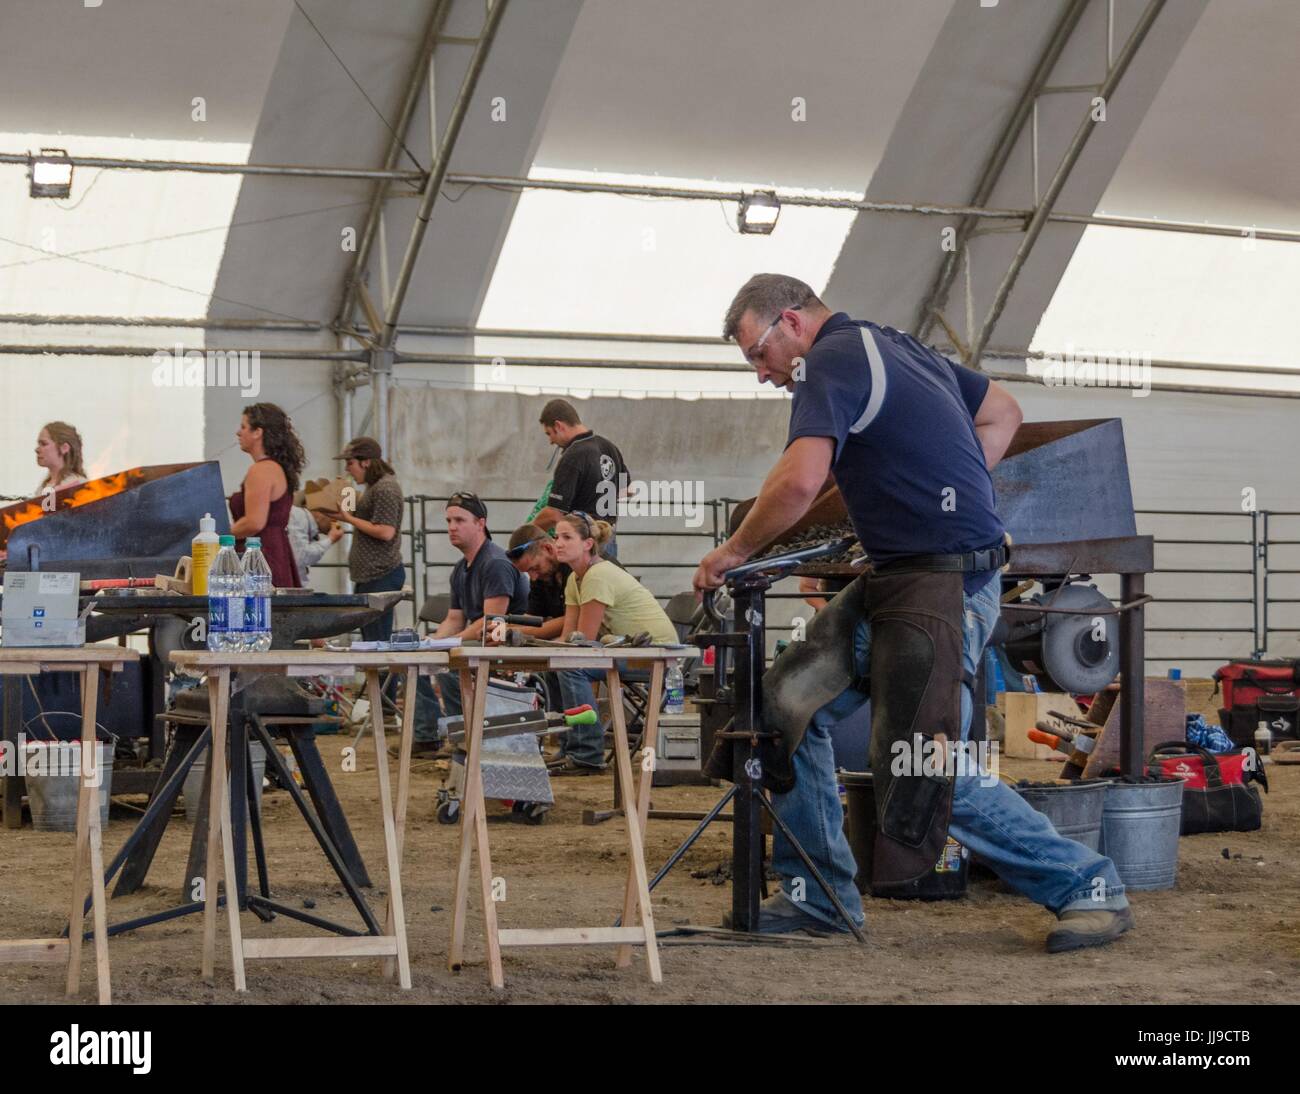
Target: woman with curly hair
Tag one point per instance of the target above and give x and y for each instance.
(261, 507)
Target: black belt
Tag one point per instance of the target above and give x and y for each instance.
(972, 562)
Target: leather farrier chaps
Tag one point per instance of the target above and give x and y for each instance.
(914, 680)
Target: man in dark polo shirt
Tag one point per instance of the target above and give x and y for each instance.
(910, 439)
(532, 551)
(483, 584)
(591, 475)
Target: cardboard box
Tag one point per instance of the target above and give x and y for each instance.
(1024, 710)
(40, 609)
(328, 494)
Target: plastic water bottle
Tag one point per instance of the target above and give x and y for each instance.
(257, 590)
(675, 689)
(226, 599)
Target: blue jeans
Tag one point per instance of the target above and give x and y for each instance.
(586, 744)
(988, 818)
(381, 629)
(427, 708)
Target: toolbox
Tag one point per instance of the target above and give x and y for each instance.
(1259, 691)
(679, 756)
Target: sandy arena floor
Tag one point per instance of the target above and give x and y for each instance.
(1227, 933)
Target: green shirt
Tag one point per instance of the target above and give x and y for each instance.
(629, 607)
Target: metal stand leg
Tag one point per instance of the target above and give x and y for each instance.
(13, 720)
(136, 855)
(812, 869)
(316, 780)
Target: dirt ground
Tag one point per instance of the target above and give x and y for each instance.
(1227, 933)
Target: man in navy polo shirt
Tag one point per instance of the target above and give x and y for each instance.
(910, 439)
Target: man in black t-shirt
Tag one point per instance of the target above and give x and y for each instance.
(591, 475)
(483, 584)
(533, 553)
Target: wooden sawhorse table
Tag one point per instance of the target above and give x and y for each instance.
(474, 664)
(89, 662)
(391, 945)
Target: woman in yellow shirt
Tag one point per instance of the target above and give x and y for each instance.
(599, 598)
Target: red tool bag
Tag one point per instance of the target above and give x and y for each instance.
(1260, 691)
(1244, 683)
(1216, 797)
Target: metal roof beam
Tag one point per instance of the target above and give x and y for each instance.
(438, 170)
(419, 71)
(1075, 148)
(937, 295)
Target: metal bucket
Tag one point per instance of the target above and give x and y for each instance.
(192, 788)
(948, 879)
(1074, 810)
(1139, 831)
(53, 796)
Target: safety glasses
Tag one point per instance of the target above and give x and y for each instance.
(755, 351)
(516, 553)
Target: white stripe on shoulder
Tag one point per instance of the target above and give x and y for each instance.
(877, 396)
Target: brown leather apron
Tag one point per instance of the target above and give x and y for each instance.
(914, 681)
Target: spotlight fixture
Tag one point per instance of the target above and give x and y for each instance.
(758, 212)
(50, 174)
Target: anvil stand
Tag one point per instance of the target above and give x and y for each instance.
(244, 805)
(748, 586)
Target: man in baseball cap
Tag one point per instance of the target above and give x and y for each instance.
(484, 583)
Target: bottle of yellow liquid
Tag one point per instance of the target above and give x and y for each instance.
(203, 549)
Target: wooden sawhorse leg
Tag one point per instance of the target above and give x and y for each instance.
(89, 852)
(638, 890)
(396, 918)
(403, 789)
(220, 837)
(649, 757)
(473, 828)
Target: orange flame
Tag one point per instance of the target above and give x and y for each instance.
(69, 497)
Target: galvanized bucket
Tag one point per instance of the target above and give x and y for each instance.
(1139, 831)
(192, 787)
(53, 795)
(1074, 810)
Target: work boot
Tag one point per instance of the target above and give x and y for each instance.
(1083, 928)
(423, 750)
(778, 914)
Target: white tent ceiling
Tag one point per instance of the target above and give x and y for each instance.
(903, 101)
